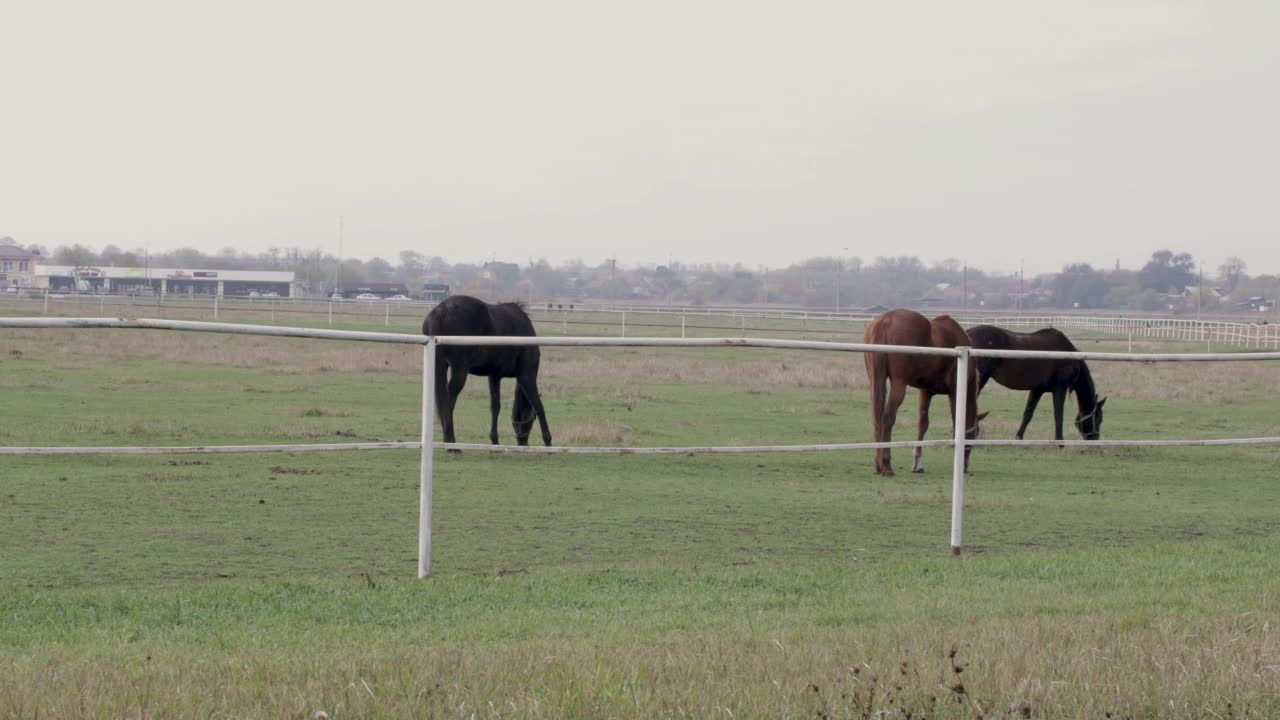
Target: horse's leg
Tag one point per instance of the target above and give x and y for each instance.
(1033, 399)
(528, 384)
(877, 378)
(925, 397)
(457, 381)
(495, 406)
(897, 393)
(444, 403)
(1059, 400)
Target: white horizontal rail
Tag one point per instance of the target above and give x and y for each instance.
(535, 449)
(227, 328)
(1127, 357)
(467, 340)
(510, 341)
(1124, 443)
(582, 450)
(197, 449)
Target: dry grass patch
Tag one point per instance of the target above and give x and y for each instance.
(601, 433)
(290, 355)
(1198, 382)
(807, 369)
(1018, 669)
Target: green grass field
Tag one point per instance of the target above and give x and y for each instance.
(1135, 582)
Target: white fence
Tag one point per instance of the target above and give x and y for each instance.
(427, 443)
(1260, 333)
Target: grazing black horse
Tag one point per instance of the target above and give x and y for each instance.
(1040, 376)
(464, 315)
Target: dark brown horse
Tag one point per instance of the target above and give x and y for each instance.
(931, 374)
(1040, 376)
(464, 315)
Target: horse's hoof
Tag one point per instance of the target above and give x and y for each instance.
(918, 471)
(887, 472)
(453, 451)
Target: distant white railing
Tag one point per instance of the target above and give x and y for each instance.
(427, 443)
(1261, 333)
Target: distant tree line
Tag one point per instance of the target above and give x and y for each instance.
(1168, 281)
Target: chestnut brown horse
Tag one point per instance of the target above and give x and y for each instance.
(891, 373)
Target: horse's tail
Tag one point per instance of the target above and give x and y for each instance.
(877, 377)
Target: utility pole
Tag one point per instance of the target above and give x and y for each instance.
(337, 270)
(839, 272)
(1021, 288)
(1200, 294)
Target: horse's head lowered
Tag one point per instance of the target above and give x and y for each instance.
(973, 433)
(1090, 424)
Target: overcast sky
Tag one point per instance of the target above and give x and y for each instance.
(699, 131)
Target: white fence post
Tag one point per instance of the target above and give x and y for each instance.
(681, 324)
(386, 322)
(428, 440)
(331, 313)
(624, 323)
(46, 301)
(957, 459)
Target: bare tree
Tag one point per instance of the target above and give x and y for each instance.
(1231, 272)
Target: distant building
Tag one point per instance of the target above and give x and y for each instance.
(163, 281)
(17, 267)
(434, 291)
(382, 290)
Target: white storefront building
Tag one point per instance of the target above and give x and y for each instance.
(165, 281)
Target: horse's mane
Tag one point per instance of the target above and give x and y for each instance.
(515, 305)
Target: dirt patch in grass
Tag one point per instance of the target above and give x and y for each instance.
(322, 412)
(283, 470)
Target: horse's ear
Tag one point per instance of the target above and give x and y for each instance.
(1102, 401)
(983, 415)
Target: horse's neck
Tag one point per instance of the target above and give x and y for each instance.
(1086, 393)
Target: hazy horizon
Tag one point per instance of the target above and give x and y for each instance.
(995, 133)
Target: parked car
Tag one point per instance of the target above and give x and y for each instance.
(336, 296)
(367, 296)
(254, 293)
(270, 294)
(398, 297)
